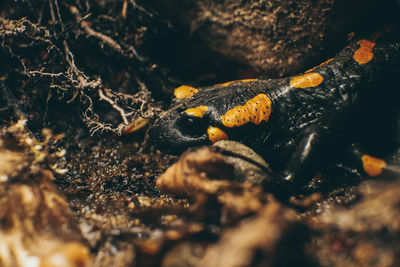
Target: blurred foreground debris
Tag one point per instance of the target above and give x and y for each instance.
(206, 176)
(36, 224)
(364, 234)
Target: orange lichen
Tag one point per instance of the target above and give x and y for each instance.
(320, 65)
(216, 134)
(255, 110)
(229, 83)
(364, 53)
(185, 91)
(197, 111)
(311, 79)
(372, 166)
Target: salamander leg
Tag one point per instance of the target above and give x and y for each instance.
(304, 159)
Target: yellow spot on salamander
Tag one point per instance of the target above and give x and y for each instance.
(255, 110)
(229, 83)
(372, 166)
(311, 79)
(135, 125)
(364, 53)
(215, 134)
(185, 91)
(320, 65)
(197, 111)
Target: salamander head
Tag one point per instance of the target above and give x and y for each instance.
(205, 116)
(176, 130)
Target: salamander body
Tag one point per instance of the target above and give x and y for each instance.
(289, 121)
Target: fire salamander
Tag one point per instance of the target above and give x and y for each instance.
(289, 121)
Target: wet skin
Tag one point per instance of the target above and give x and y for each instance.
(289, 121)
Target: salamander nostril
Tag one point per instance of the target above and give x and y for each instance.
(192, 126)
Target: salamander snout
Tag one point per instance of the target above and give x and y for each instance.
(175, 131)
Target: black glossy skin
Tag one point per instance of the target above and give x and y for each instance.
(303, 122)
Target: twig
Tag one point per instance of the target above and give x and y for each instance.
(114, 105)
(52, 75)
(85, 25)
(58, 14)
(124, 8)
(104, 38)
(133, 3)
(53, 16)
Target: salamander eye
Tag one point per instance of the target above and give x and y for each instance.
(192, 126)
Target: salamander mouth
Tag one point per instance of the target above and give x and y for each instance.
(174, 133)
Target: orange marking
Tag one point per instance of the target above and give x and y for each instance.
(311, 79)
(197, 111)
(372, 166)
(323, 63)
(364, 53)
(229, 83)
(185, 91)
(215, 134)
(135, 125)
(255, 110)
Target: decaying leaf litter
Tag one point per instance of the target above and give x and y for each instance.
(82, 195)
